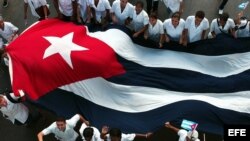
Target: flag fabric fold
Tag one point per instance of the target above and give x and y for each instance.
(112, 81)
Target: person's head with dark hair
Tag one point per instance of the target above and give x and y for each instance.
(175, 18)
(139, 7)
(153, 18)
(199, 16)
(61, 123)
(115, 134)
(88, 133)
(223, 19)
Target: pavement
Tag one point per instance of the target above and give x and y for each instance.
(14, 14)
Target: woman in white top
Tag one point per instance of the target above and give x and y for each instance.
(100, 10)
(174, 27)
(223, 24)
(140, 19)
(121, 12)
(155, 30)
(36, 5)
(195, 28)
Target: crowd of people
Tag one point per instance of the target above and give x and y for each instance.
(143, 24)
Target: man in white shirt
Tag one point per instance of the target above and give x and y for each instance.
(140, 19)
(223, 24)
(155, 30)
(195, 28)
(121, 12)
(89, 133)
(183, 134)
(100, 10)
(174, 27)
(7, 30)
(242, 26)
(66, 9)
(13, 110)
(63, 129)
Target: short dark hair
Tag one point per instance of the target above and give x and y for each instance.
(62, 119)
(176, 15)
(224, 16)
(153, 15)
(115, 132)
(139, 3)
(88, 132)
(200, 14)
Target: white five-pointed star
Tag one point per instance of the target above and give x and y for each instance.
(64, 46)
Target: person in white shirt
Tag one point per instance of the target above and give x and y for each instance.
(242, 26)
(140, 20)
(100, 10)
(155, 30)
(223, 24)
(13, 110)
(183, 134)
(83, 11)
(66, 9)
(174, 27)
(34, 6)
(195, 28)
(89, 133)
(115, 134)
(174, 6)
(121, 12)
(63, 129)
(7, 30)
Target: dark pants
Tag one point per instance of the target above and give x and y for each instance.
(151, 3)
(222, 5)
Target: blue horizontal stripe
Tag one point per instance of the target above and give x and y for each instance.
(210, 118)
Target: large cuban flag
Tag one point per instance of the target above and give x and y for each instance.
(112, 81)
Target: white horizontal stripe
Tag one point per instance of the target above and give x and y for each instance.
(218, 66)
(139, 99)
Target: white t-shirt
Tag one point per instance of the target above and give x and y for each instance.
(15, 111)
(35, 4)
(9, 30)
(100, 9)
(217, 29)
(194, 33)
(183, 134)
(125, 137)
(122, 16)
(155, 31)
(65, 7)
(140, 20)
(243, 32)
(173, 5)
(69, 134)
(96, 134)
(174, 32)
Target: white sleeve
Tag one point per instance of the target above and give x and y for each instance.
(97, 134)
(13, 28)
(49, 129)
(72, 122)
(231, 22)
(182, 135)
(188, 22)
(43, 2)
(205, 24)
(128, 137)
(114, 6)
(212, 28)
(107, 4)
(145, 19)
(161, 27)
